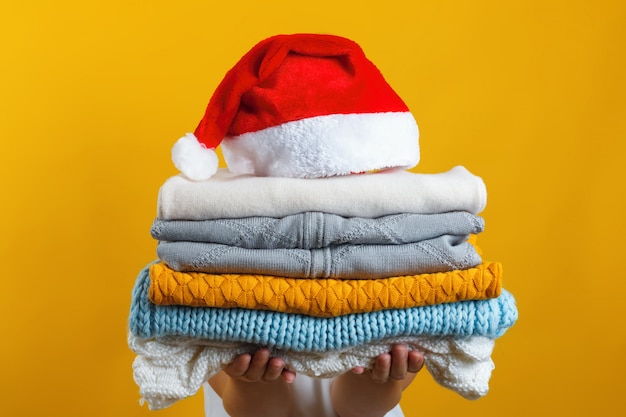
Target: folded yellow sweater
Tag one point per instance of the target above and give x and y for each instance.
(322, 297)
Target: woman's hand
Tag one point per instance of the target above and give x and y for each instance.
(395, 365)
(259, 366)
(373, 392)
(255, 384)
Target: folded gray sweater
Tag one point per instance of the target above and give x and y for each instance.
(443, 253)
(313, 230)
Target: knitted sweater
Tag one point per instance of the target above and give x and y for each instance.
(296, 332)
(322, 297)
(314, 230)
(171, 368)
(443, 253)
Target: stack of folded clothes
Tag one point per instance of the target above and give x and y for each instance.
(327, 253)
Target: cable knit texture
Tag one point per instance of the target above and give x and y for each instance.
(443, 253)
(314, 230)
(298, 332)
(170, 369)
(321, 297)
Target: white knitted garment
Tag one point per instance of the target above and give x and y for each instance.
(169, 369)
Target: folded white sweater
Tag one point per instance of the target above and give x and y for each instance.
(226, 195)
(169, 369)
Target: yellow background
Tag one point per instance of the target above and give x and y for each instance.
(528, 95)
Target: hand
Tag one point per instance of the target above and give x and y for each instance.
(373, 393)
(394, 365)
(251, 383)
(259, 367)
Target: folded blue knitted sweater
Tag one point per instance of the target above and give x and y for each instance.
(296, 332)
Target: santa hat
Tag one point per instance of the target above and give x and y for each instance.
(303, 105)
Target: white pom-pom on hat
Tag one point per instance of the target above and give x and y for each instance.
(193, 159)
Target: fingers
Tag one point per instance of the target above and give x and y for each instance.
(396, 364)
(257, 367)
(416, 361)
(358, 370)
(238, 367)
(399, 362)
(381, 369)
(260, 366)
(288, 376)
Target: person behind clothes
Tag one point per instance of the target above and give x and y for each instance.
(258, 385)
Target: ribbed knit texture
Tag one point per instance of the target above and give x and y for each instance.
(169, 369)
(322, 297)
(489, 318)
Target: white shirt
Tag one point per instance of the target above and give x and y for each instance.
(311, 399)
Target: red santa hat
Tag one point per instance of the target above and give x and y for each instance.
(303, 105)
